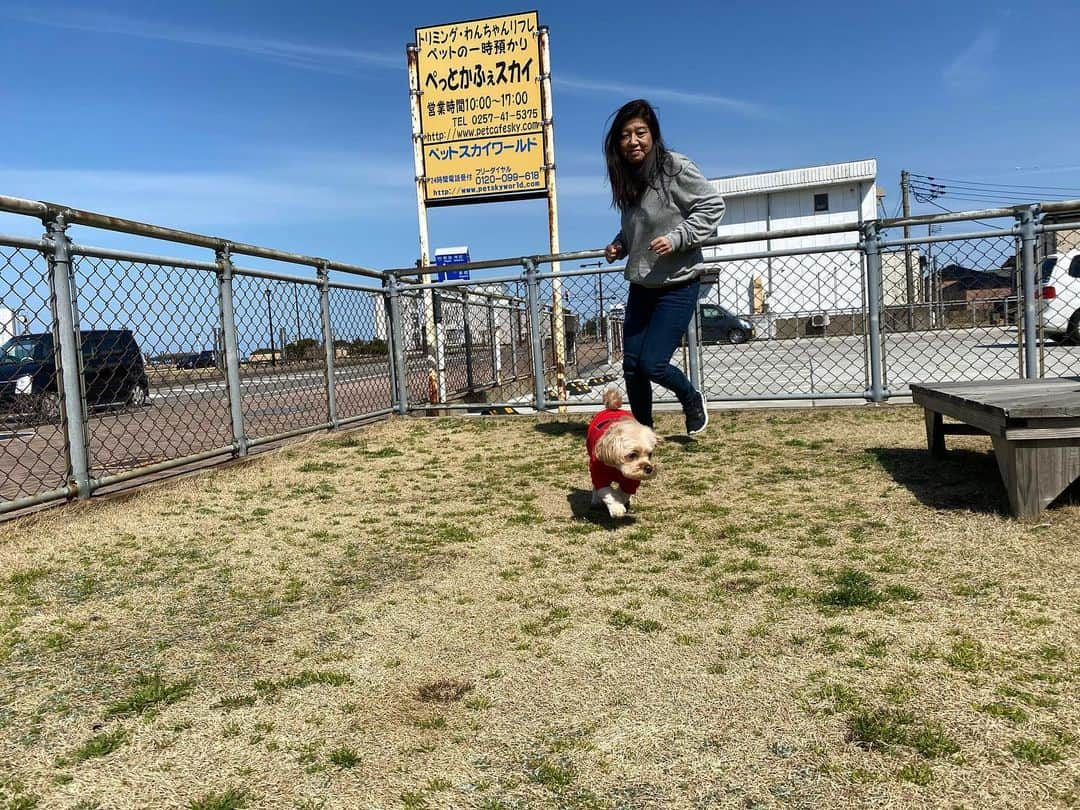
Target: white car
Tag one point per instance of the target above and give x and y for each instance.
(1061, 296)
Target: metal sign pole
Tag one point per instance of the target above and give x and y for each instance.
(431, 338)
(558, 332)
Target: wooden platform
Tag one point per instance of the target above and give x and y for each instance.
(1035, 426)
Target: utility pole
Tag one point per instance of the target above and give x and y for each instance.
(905, 192)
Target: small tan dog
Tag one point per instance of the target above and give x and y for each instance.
(620, 453)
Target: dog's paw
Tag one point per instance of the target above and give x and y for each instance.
(616, 509)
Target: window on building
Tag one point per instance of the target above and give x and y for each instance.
(821, 202)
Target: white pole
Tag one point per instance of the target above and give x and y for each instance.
(436, 363)
(558, 336)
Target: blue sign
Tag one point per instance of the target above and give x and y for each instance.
(449, 256)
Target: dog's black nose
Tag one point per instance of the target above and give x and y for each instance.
(648, 469)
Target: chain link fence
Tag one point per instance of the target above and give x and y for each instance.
(120, 365)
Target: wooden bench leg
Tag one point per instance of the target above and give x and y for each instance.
(935, 433)
(1035, 475)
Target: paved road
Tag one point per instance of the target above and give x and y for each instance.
(836, 365)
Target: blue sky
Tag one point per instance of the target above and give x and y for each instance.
(287, 124)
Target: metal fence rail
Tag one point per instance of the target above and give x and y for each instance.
(123, 364)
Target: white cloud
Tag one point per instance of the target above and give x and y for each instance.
(973, 67)
(317, 57)
(746, 108)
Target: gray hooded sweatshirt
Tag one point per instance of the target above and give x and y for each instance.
(684, 207)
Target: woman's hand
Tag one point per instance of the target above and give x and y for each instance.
(661, 246)
(614, 252)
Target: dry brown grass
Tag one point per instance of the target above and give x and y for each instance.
(804, 611)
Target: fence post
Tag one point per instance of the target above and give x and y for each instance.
(515, 333)
(1027, 261)
(466, 330)
(227, 314)
(397, 344)
(69, 380)
(328, 343)
(496, 344)
(693, 350)
(871, 246)
(532, 291)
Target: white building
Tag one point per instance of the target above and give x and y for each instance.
(809, 284)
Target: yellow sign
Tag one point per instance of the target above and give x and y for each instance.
(481, 112)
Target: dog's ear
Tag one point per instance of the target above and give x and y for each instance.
(610, 447)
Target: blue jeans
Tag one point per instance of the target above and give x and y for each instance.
(656, 318)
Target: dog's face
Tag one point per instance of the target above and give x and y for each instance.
(628, 447)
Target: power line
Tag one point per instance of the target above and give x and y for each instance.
(950, 211)
(932, 192)
(995, 186)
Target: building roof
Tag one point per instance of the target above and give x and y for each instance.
(803, 177)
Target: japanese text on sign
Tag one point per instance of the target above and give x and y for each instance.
(480, 106)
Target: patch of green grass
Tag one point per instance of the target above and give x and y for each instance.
(622, 619)
(878, 729)
(99, 745)
(22, 582)
(916, 772)
(236, 702)
(319, 467)
(932, 741)
(301, 680)
(853, 589)
(231, 799)
(383, 452)
(345, 758)
(902, 593)
(1034, 752)
(744, 566)
(966, 654)
(413, 800)
(876, 648)
(551, 623)
(150, 691)
(999, 709)
(549, 772)
(881, 729)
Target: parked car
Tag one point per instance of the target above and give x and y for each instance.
(1060, 274)
(718, 325)
(113, 373)
(203, 359)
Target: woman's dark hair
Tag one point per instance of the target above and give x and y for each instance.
(627, 182)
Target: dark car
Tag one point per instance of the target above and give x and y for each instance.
(113, 372)
(203, 359)
(718, 325)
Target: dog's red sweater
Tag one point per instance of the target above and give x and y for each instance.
(603, 475)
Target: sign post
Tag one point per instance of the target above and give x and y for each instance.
(558, 328)
(482, 132)
(431, 344)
